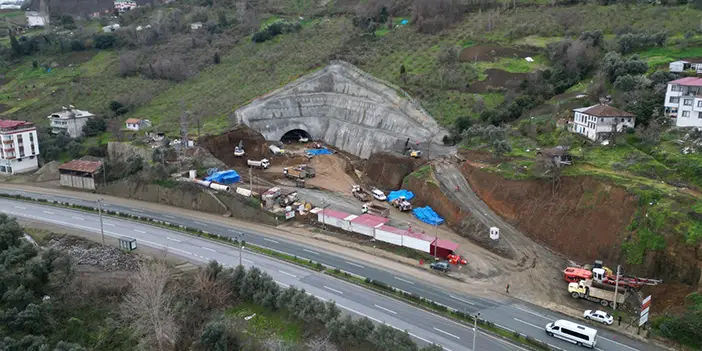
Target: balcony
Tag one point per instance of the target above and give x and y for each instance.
(8, 141)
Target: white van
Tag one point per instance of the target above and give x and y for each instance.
(571, 332)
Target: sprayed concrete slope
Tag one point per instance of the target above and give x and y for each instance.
(345, 107)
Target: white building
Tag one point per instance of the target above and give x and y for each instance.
(70, 120)
(682, 66)
(123, 6)
(35, 19)
(683, 101)
(137, 124)
(598, 122)
(20, 147)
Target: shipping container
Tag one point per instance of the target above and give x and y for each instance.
(366, 224)
(389, 234)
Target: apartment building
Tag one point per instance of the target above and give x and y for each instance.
(598, 122)
(70, 120)
(683, 101)
(20, 147)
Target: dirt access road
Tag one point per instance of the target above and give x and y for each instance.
(535, 272)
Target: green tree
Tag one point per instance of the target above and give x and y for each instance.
(94, 126)
(16, 48)
(386, 337)
(219, 336)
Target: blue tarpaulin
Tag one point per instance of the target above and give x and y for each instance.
(427, 215)
(397, 193)
(224, 177)
(317, 152)
(404, 22)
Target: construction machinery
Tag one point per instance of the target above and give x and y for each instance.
(374, 209)
(310, 172)
(415, 153)
(239, 150)
(258, 164)
(360, 193)
(456, 259)
(295, 173)
(401, 204)
(605, 276)
(585, 290)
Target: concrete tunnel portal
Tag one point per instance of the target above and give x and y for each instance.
(295, 135)
(344, 107)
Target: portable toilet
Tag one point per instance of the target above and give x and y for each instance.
(494, 233)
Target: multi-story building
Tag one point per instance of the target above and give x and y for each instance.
(70, 120)
(598, 122)
(20, 147)
(683, 101)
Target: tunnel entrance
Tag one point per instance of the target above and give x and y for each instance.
(295, 135)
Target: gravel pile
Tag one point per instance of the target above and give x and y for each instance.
(85, 253)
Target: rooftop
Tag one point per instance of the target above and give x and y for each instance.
(446, 244)
(407, 232)
(81, 166)
(71, 113)
(603, 111)
(12, 124)
(133, 121)
(688, 81)
(369, 220)
(335, 214)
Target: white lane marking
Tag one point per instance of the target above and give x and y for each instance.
(447, 333)
(48, 212)
(360, 314)
(533, 313)
(283, 284)
(136, 210)
(179, 250)
(404, 280)
(172, 239)
(319, 297)
(245, 260)
(286, 273)
(271, 240)
(78, 218)
(462, 300)
(385, 309)
(310, 251)
(354, 264)
(233, 231)
(139, 231)
(416, 336)
(200, 223)
(21, 207)
(167, 216)
(529, 324)
(334, 290)
(109, 224)
(209, 249)
(618, 343)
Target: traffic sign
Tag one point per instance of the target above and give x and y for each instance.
(645, 307)
(644, 319)
(646, 303)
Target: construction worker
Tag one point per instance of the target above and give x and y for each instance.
(507, 288)
(457, 188)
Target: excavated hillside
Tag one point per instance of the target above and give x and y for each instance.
(585, 219)
(386, 170)
(348, 109)
(222, 146)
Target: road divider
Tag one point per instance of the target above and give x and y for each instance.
(375, 285)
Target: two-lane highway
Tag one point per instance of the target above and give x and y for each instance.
(513, 314)
(423, 326)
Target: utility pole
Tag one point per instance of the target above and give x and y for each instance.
(436, 238)
(616, 287)
(102, 231)
(323, 218)
(475, 328)
(241, 248)
(251, 179)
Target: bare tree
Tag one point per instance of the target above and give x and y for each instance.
(547, 167)
(213, 293)
(128, 64)
(149, 307)
(320, 344)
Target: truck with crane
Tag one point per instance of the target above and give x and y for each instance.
(604, 276)
(585, 290)
(374, 209)
(360, 194)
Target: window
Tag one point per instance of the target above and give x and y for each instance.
(699, 103)
(601, 120)
(687, 102)
(575, 334)
(686, 114)
(699, 115)
(676, 88)
(674, 100)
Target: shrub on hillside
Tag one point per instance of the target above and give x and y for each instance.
(630, 42)
(276, 28)
(433, 16)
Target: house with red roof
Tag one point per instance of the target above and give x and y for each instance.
(599, 122)
(20, 147)
(683, 101)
